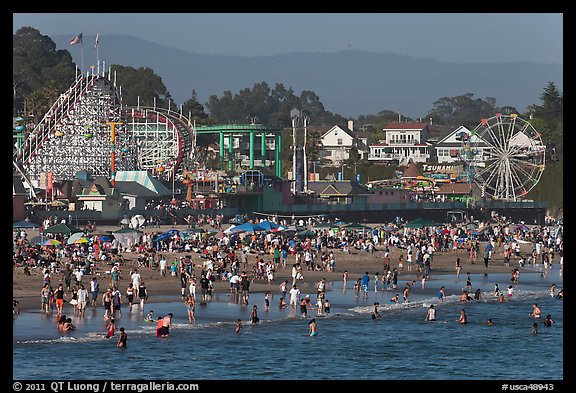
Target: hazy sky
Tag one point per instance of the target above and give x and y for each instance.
(446, 37)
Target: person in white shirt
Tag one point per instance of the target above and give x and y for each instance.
(294, 296)
(136, 279)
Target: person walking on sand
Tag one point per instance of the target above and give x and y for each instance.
(431, 314)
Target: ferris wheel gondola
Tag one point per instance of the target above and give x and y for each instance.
(504, 156)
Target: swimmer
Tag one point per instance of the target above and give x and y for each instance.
(110, 328)
(122, 339)
(441, 295)
(537, 312)
(560, 294)
(395, 299)
(548, 321)
(431, 314)
(375, 313)
(463, 318)
(489, 322)
(534, 329)
(552, 290)
(238, 326)
(313, 327)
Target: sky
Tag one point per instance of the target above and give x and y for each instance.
(446, 37)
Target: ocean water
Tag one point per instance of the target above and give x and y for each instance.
(350, 344)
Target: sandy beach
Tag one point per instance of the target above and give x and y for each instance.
(26, 289)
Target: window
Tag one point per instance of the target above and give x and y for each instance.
(339, 141)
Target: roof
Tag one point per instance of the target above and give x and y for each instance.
(405, 126)
(145, 179)
(454, 188)
(345, 130)
(337, 188)
(135, 188)
(412, 172)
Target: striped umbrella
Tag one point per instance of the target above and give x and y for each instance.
(51, 242)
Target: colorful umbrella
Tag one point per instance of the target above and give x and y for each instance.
(51, 242)
(80, 240)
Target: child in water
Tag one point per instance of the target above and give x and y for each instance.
(149, 316)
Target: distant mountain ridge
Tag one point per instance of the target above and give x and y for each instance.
(349, 83)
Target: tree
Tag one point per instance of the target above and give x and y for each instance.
(142, 87)
(195, 110)
(36, 64)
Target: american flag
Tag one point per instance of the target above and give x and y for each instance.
(76, 40)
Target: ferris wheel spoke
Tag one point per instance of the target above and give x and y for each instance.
(518, 179)
(493, 138)
(520, 168)
(488, 168)
(490, 174)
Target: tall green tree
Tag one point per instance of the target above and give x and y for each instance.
(195, 110)
(142, 86)
(36, 64)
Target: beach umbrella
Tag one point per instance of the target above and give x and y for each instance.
(307, 233)
(36, 240)
(62, 229)
(322, 226)
(74, 237)
(246, 227)
(25, 224)
(80, 241)
(521, 227)
(268, 225)
(51, 242)
(419, 223)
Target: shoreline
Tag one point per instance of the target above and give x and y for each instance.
(26, 289)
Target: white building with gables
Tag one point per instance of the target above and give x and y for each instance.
(449, 149)
(404, 141)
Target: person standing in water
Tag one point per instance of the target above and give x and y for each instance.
(122, 339)
(463, 318)
(190, 307)
(313, 327)
(431, 314)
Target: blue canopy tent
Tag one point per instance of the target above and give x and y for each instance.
(25, 224)
(246, 227)
(268, 225)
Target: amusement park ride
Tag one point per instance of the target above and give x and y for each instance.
(88, 128)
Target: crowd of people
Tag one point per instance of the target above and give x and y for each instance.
(242, 259)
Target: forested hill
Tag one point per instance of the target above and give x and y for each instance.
(349, 83)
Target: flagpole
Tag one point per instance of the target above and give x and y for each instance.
(96, 47)
(82, 56)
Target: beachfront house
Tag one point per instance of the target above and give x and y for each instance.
(335, 145)
(404, 141)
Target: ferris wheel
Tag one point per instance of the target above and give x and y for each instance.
(504, 155)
